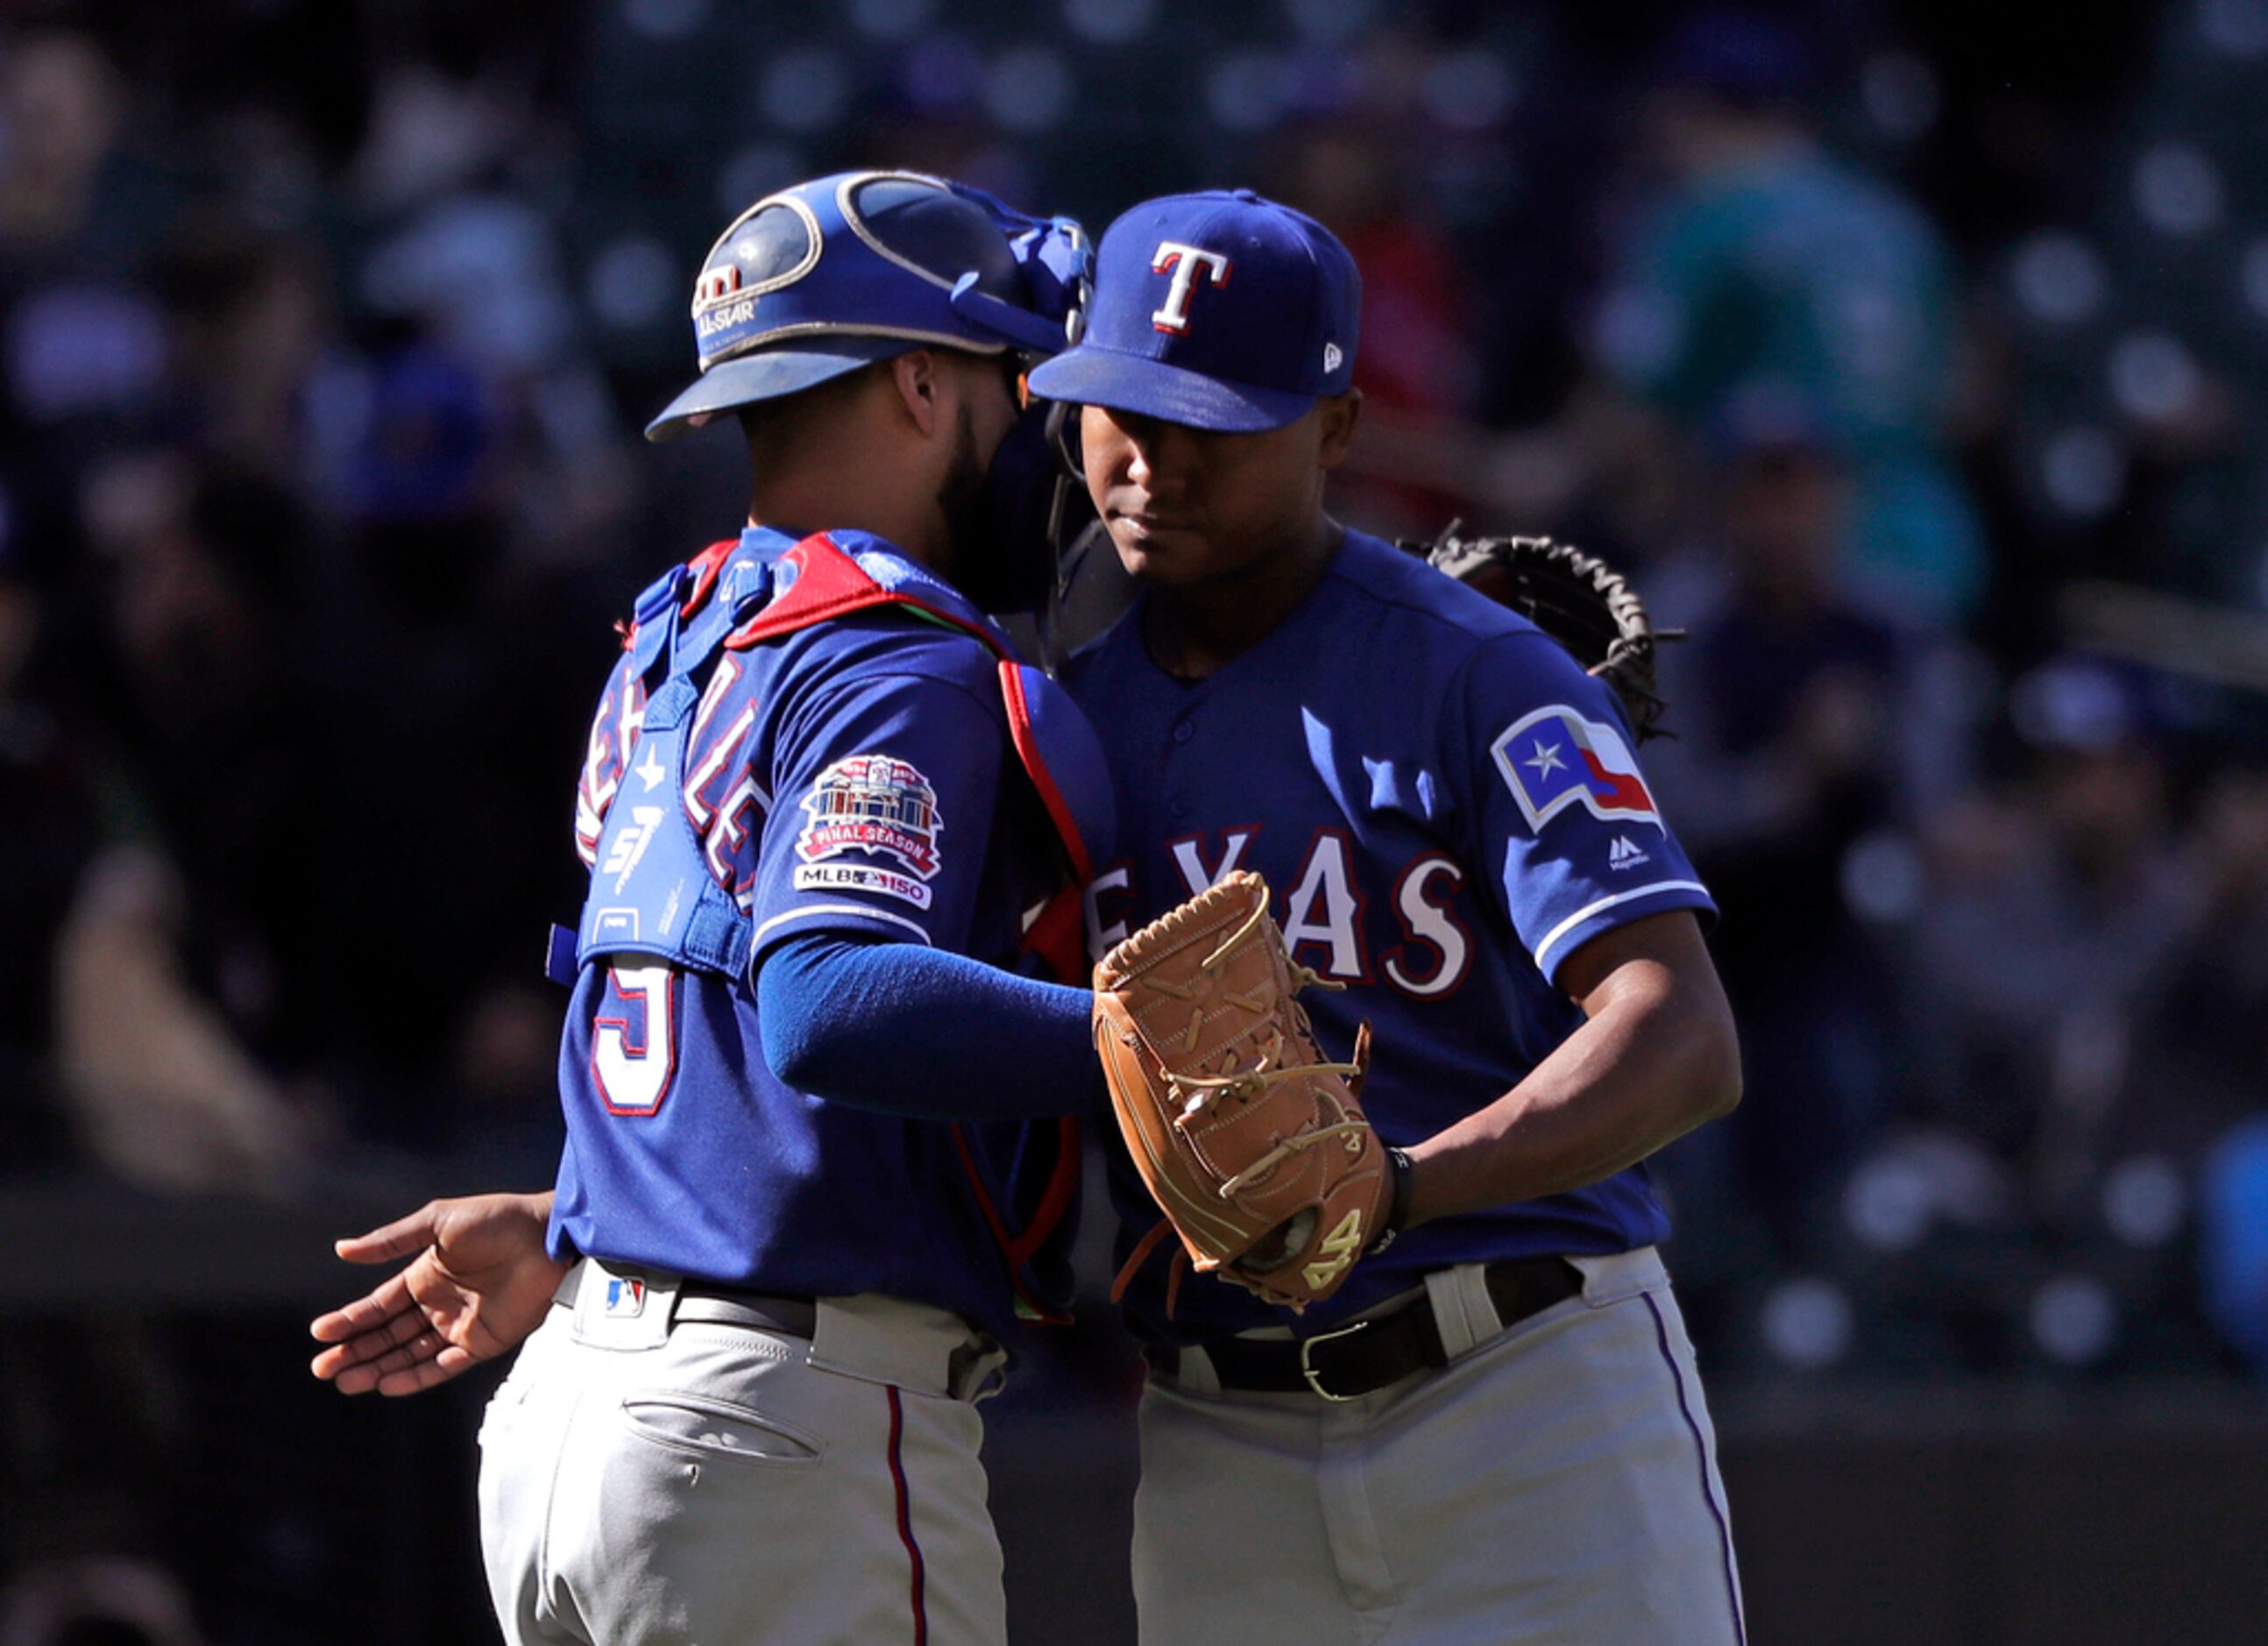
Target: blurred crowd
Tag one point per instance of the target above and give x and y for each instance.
(1909, 359)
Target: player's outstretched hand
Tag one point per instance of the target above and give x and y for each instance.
(478, 1284)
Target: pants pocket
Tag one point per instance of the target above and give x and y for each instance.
(703, 1426)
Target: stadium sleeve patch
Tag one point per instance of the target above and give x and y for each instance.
(884, 811)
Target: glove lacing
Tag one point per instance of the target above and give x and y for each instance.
(1197, 1093)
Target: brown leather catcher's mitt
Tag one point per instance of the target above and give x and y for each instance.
(1577, 598)
(1255, 1147)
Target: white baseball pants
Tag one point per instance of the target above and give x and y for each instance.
(711, 1485)
(1555, 1485)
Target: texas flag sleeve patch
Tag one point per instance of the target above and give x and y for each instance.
(1555, 758)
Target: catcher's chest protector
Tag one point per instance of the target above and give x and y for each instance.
(653, 891)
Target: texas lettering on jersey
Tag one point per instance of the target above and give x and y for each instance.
(1323, 909)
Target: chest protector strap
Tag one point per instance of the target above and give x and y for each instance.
(652, 893)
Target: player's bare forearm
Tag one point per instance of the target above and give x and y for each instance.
(1656, 1056)
(478, 1281)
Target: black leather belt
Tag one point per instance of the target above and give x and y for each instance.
(1364, 1356)
(717, 1306)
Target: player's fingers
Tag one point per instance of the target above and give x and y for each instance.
(396, 1239)
(412, 1351)
(366, 1348)
(405, 1370)
(427, 1374)
(395, 1343)
(336, 1327)
(341, 1358)
(384, 1301)
(345, 1372)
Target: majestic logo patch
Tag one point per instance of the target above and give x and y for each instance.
(1627, 853)
(1555, 758)
(873, 804)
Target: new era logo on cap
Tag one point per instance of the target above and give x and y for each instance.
(1221, 311)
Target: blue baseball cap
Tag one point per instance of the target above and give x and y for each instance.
(824, 277)
(1220, 310)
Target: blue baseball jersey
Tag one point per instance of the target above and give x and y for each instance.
(853, 777)
(1447, 807)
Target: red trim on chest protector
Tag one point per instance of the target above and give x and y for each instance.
(1028, 750)
(705, 567)
(1055, 1201)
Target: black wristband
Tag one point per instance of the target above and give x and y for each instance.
(1397, 1205)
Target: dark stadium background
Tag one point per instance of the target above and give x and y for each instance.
(326, 332)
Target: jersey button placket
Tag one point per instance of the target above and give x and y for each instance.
(1177, 801)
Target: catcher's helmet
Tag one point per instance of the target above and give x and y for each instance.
(821, 278)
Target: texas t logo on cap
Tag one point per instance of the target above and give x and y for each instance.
(1171, 336)
(1187, 264)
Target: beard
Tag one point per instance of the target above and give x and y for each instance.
(960, 500)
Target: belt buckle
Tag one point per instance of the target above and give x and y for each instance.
(1307, 1366)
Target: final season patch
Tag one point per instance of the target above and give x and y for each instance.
(877, 805)
(1555, 758)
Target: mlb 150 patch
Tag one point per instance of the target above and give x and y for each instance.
(852, 877)
(1556, 758)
